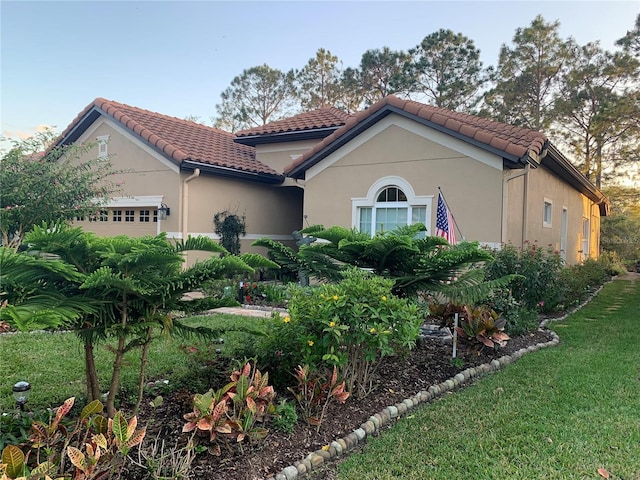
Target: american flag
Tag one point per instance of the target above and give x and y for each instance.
(444, 222)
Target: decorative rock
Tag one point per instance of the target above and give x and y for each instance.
(307, 463)
(280, 476)
(409, 403)
(315, 459)
(402, 408)
(324, 454)
(495, 364)
(386, 416)
(435, 391)
(301, 467)
(380, 418)
(450, 384)
(352, 440)
(393, 411)
(343, 444)
(338, 448)
(333, 453)
(360, 433)
(376, 421)
(425, 396)
(369, 427)
(290, 472)
(460, 377)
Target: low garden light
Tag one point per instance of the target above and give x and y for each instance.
(163, 212)
(21, 391)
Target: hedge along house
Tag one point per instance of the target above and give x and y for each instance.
(503, 184)
(372, 171)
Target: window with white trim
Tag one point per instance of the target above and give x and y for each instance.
(390, 203)
(129, 215)
(547, 213)
(103, 146)
(144, 216)
(117, 215)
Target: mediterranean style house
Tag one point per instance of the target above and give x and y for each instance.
(375, 170)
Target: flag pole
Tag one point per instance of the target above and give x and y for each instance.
(455, 223)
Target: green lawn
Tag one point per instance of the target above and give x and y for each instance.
(53, 363)
(560, 413)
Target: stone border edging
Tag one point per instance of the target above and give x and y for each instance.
(391, 413)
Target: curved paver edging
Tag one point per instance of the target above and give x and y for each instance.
(343, 445)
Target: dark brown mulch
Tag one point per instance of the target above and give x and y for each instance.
(397, 378)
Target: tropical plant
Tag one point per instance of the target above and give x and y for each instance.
(138, 281)
(314, 392)
(423, 266)
(481, 326)
(96, 446)
(231, 414)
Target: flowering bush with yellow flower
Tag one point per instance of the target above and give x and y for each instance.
(351, 324)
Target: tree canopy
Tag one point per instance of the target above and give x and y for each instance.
(43, 184)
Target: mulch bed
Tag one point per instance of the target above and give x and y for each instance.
(397, 379)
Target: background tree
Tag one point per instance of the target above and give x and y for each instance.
(42, 184)
(381, 73)
(598, 110)
(446, 68)
(257, 96)
(528, 75)
(631, 41)
(319, 81)
(620, 231)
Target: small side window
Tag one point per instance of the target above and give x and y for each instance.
(547, 214)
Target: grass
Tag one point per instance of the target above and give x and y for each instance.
(562, 412)
(53, 363)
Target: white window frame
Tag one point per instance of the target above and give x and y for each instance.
(586, 238)
(103, 146)
(547, 220)
(369, 201)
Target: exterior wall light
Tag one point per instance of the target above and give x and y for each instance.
(21, 391)
(163, 212)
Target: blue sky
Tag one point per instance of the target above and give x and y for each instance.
(177, 57)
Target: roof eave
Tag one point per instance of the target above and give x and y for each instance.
(80, 126)
(217, 170)
(298, 171)
(560, 165)
(295, 136)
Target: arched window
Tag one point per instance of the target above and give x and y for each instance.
(390, 204)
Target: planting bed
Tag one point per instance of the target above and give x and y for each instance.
(397, 379)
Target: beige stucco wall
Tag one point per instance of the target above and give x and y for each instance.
(281, 155)
(473, 189)
(544, 186)
(270, 210)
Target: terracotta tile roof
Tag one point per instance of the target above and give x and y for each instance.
(180, 140)
(327, 117)
(512, 142)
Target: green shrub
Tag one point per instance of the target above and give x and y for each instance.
(284, 417)
(541, 287)
(612, 263)
(208, 303)
(579, 280)
(519, 319)
(351, 324)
